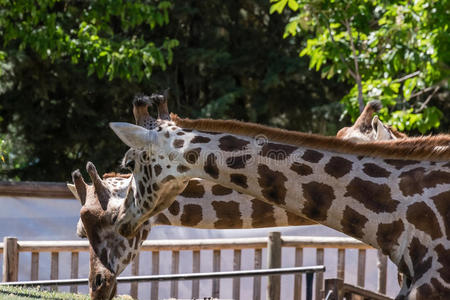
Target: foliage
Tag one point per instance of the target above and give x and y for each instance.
(231, 62)
(109, 36)
(397, 50)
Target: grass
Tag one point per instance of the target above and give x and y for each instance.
(21, 293)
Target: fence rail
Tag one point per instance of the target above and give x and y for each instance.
(11, 248)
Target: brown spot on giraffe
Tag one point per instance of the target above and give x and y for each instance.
(230, 143)
(400, 163)
(375, 171)
(238, 162)
(338, 166)
(174, 209)
(423, 218)
(277, 151)
(200, 140)
(211, 166)
(155, 186)
(444, 259)
(239, 179)
(157, 169)
(312, 156)
(141, 188)
(192, 155)
(414, 181)
(262, 214)
(440, 292)
(417, 252)
(376, 197)
(180, 133)
(178, 143)
(272, 184)
(166, 135)
(162, 219)
(192, 215)
(182, 168)
(220, 190)
(301, 169)
(388, 235)
(319, 197)
(148, 171)
(193, 190)
(442, 203)
(227, 213)
(353, 222)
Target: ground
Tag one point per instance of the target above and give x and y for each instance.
(20, 293)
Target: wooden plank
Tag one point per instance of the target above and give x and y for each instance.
(175, 270)
(74, 270)
(257, 279)
(35, 189)
(134, 287)
(319, 276)
(10, 259)
(34, 266)
(197, 245)
(361, 275)
(274, 261)
(298, 277)
(237, 254)
(363, 293)
(341, 264)
(195, 269)
(54, 268)
(216, 268)
(382, 272)
(155, 271)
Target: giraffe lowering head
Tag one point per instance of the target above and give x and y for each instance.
(109, 252)
(375, 192)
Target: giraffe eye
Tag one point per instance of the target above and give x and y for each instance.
(130, 165)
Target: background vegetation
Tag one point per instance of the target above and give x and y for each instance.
(69, 68)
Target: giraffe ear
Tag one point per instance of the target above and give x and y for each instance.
(382, 132)
(73, 190)
(134, 136)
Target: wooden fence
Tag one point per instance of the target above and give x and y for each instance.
(11, 247)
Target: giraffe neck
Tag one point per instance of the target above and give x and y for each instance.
(376, 200)
(208, 205)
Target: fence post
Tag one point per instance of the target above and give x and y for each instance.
(336, 286)
(382, 272)
(10, 259)
(273, 261)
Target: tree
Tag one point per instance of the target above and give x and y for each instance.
(56, 110)
(395, 51)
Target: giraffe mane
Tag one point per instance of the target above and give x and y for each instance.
(114, 174)
(435, 148)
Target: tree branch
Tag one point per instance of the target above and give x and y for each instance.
(407, 77)
(422, 107)
(357, 75)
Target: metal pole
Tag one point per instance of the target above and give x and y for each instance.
(190, 276)
(309, 285)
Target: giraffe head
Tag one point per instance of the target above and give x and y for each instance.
(110, 253)
(369, 128)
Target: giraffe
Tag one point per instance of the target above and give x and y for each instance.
(391, 195)
(221, 207)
